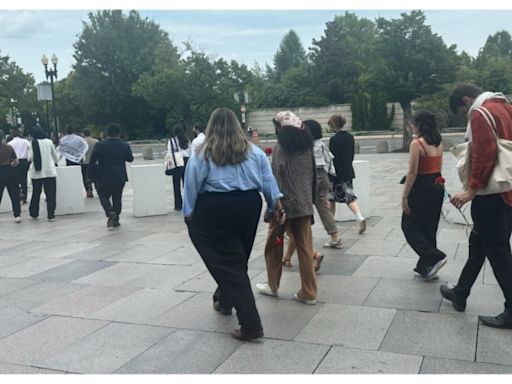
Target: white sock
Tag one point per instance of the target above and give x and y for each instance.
(359, 217)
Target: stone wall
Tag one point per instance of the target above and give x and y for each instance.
(261, 119)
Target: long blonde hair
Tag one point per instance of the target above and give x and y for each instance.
(225, 142)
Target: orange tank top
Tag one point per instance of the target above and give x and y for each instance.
(429, 164)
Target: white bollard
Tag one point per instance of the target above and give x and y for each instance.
(70, 191)
(361, 189)
(149, 197)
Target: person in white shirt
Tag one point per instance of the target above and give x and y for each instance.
(20, 146)
(199, 131)
(43, 172)
(178, 143)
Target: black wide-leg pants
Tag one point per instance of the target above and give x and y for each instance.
(490, 238)
(420, 226)
(222, 228)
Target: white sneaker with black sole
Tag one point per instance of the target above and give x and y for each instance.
(436, 267)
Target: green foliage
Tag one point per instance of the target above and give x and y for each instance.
(378, 118)
(113, 50)
(290, 55)
(359, 107)
(416, 61)
(342, 55)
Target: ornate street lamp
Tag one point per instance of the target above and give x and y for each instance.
(50, 74)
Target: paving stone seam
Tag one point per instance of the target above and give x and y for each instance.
(322, 359)
(232, 353)
(387, 331)
(371, 291)
(37, 367)
(476, 339)
(147, 349)
(45, 316)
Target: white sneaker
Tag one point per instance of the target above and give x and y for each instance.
(304, 301)
(17, 219)
(362, 226)
(333, 244)
(265, 289)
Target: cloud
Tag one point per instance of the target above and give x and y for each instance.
(21, 24)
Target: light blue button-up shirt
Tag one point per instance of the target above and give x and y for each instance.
(253, 174)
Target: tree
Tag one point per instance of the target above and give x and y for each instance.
(341, 56)
(359, 108)
(494, 63)
(378, 118)
(417, 61)
(112, 52)
(291, 54)
(18, 85)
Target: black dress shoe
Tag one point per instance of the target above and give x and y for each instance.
(503, 320)
(239, 335)
(224, 311)
(449, 294)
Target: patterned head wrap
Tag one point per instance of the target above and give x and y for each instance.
(289, 118)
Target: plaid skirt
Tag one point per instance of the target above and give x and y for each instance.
(342, 193)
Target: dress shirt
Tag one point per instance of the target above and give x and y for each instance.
(20, 147)
(253, 174)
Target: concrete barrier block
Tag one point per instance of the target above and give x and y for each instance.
(70, 191)
(361, 189)
(149, 197)
(382, 146)
(357, 147)
(147, 153)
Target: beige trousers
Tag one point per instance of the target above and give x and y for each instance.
(300, 229)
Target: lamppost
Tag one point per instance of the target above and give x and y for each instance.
(14, 116)
(51, 73)
(242, 98)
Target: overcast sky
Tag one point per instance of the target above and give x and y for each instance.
(246, 36)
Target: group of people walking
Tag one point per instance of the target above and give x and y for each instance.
(490, 119)
(101, 162)
(222, 206)
(223, 174)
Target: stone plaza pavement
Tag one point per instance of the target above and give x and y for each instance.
(78, 298)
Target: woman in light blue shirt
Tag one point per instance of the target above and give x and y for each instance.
(222, 207)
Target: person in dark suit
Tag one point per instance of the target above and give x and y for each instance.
(107, 166)
(341, 146)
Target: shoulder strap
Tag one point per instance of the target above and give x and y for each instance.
(489, 118)
(422, 146)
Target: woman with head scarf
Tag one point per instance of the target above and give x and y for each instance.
(293, 164)
(222, 207)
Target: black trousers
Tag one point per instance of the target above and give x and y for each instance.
(21, 171)
(9, 180)
(420, 226)
(50, 190)
(489, 238)
(85, 178)
(222, 229)
(177, 179)
(108, 191)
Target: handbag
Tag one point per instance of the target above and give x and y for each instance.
(501, 177)
(175, 160)
(329, 161)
